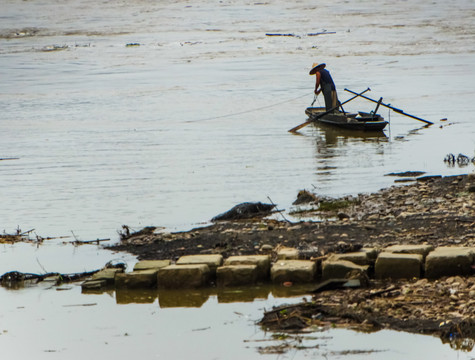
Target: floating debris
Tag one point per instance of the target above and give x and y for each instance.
(19, 236)
(407, 174)
(461, 160)
(50, 48)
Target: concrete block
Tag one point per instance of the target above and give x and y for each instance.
(398, 266)
(261, 261)
(371, 253)
(338, 269)
(410, 249)
(296, 271)
(107, 274)
(235, 275)
(287, 253)
(359, 258)
(142, 279)
(183, 276)
(449, 261)
(212, 261)
(151, 264)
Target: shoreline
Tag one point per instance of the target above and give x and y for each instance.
(436, 211)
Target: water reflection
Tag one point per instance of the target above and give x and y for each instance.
(337, 149)
(330, 136)
(135, 296)
(196, 298)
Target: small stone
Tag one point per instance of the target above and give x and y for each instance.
(286, 253)
(267, 248)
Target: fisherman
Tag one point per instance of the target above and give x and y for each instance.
(325, 83)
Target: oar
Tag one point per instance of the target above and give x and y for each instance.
(298, 127)
(393, 108)
(314, 99)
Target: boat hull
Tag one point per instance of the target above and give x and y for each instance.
(360, 121)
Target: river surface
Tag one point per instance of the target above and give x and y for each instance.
(167, 113)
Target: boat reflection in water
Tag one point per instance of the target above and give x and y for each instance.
(343, 155)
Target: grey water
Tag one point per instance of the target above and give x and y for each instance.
(167, 113)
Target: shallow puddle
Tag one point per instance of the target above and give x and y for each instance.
(48, 322)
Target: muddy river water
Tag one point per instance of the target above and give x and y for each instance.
(167, 113)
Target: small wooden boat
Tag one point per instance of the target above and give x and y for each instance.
(360, 121)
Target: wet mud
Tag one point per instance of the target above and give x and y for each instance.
(437, 211)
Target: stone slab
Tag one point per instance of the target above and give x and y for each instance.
(142, 279)
(371, 253)
(211, 260)
(261, 261)
(339, 269)
(449, 261)
(286, 253)
(236, 275)
(107, 274)
(296, 271)
(183, 276)
(410, 249)
(398, 266)
(358, 258)
(151, 264)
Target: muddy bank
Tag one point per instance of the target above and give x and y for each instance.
(439, 211)
(445, 307)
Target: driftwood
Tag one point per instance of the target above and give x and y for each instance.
(15, 277)
(322, 33)
(24, 236)
(270, 34)
(82, 242)
(299, 36)
(17, 237)
(245, 210)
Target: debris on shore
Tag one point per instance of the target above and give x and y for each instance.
(247, 210)
(419, 224)
(16, 279)
(445, 307)
(431, 211)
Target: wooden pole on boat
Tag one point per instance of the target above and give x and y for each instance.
(377, 107)
(392, 108)
(298, 127)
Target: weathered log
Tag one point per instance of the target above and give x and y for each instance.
(245, 210)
